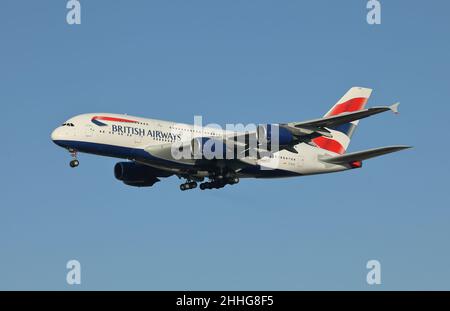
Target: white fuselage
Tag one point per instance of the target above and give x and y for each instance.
(141, 139)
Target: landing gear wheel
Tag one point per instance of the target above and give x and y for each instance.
(234, 180)
(188, 185)
(73, 154)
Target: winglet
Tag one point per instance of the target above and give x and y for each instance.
(394, 108)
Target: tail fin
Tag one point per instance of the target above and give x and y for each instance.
(355, 99)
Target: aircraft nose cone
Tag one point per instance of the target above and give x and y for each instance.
(56, 135)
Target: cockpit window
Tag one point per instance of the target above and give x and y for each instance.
(67, 124)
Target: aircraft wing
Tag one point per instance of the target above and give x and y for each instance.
(308, 130)
(363, 155)
(302, 131)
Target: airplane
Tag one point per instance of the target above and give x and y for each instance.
(267, 151)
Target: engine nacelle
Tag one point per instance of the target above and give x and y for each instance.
(274, 134)
(208, 148)
(137, 175)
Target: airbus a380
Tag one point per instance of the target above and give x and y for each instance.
(269, 151)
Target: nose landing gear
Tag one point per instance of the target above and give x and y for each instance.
(74, 162)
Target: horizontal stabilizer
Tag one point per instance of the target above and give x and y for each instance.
(363, 155)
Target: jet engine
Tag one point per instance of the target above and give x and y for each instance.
(274, 134)
(138, 175)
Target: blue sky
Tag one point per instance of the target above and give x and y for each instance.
(230, 61)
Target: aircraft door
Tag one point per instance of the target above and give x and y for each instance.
(89, 130)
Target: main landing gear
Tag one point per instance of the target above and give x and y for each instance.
(219, 183)
(188, 186)
(216, 182)
(74, 162)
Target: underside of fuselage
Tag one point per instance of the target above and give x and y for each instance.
(201, 168)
